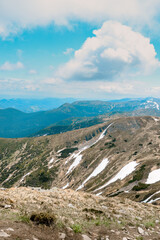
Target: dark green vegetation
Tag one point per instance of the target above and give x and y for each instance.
(138, 174)
(69, 125)
(43, 218)
(42, 177)
(140, 186)
(15, 123)
(66, 152)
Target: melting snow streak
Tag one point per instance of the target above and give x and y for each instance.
(67, 185)
(124, 172)
(148, 200)
(97, 170)
(78, 156)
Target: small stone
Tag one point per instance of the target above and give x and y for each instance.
(4, 234)
(85, 237)
(62, 235)
(146, 233)
(34, 238)
(141, 231)
(69, 229)
(7, 206)
(71, 205)
(124, 238)
(10, 229)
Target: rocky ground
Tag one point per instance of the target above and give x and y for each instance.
(35, 214)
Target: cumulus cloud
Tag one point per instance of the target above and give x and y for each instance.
(17, 15)
(7, 66)
(68, 51)
(114, 51)
(32, 72)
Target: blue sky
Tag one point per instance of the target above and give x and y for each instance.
(99, 49)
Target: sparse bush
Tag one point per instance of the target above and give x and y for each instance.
(110, 144)
(150, 224)
(24, 219)
(140, 186)
(43, 218)
(77, 228)
(138, 174)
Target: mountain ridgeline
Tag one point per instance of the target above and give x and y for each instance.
(15, 124)
(118, 157)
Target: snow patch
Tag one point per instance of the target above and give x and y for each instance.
(51, 161)
(153, 177)
(75, 155)
(98, 194)
(157, 105)
(154, 200)
(102, 134)
(67, 185)
(149, 198)
(75, 163)
(124, 172)
(60, 150)
(22, 179)
(152, 104)
(78, 156)
(156, 119)
(97, 171)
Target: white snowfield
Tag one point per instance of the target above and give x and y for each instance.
(124, 172)
(154, 200)
(78, 156)
(97, 171)
(149, 199)
(67, 185)
(75, 163)
(50, 163)
(154, 104)
(156, 119)
(153, 177)
(22, 179)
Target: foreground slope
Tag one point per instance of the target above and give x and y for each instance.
(119, 157)
(32, 214)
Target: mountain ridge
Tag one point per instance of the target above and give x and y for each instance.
(68, 159)
(18, 124)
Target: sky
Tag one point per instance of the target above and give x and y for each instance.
(94, 49)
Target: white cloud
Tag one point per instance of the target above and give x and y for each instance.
(32, 71)
(19, 53)
(68, 51)
(17, 15)
(115, 51)
(7, 66)
(52, 81)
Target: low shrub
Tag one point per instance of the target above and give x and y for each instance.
(43, 218)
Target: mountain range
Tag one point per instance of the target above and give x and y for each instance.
(88, 170)
(15, 123)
